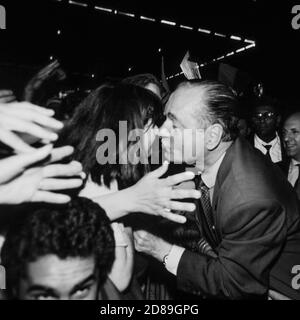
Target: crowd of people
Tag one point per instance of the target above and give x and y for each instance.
(134, 192)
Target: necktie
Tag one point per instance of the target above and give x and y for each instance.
(268, 147)
(207, 210)
(297, 183)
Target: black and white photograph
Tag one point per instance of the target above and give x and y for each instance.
(149, 151)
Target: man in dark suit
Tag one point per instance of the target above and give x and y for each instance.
(248, 214)
(265, 121)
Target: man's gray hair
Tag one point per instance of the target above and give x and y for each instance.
(221, 106)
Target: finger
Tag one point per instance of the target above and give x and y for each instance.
(27, 105)
(180, 177)
(43, 73)
(13, 141)
(50, 197)
(172, 216)
(7, 99)
(160, 171)
(59, 184)
(185, 193)
(32, 115)
(12, 166)
(62, 170)
(141, 234)
(21, 125)
(139, 243)
(58, 154)
(182, 206)
(5, 93)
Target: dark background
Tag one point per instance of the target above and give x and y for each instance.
(107, 44)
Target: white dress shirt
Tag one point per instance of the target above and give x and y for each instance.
(275, 150)
(293, 172)
(209, 177)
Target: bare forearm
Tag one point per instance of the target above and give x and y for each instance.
(117, 204)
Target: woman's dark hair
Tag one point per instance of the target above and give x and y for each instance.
(144, 79)
(103, 109)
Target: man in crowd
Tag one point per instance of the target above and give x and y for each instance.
(248, 213)
(65, 253)
(291, 135)
(265, 123)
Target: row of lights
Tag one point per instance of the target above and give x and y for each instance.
(162, 21)
(252, 45)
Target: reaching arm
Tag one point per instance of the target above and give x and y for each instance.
(151, 195)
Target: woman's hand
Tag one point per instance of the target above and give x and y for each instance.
(24, 179)
(156, 196)
(38, 79)
(122, 268)
(26, 118)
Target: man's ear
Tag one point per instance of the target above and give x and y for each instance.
(213, 136)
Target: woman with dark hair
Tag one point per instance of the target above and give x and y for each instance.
(113, 132)
(119, 178)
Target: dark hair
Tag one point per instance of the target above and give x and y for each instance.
(78, 229)
(266, 101)
(103, 109)
(142, 80)
(221, 105)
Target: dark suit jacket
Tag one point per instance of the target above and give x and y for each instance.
(283, 164)
(257, 221)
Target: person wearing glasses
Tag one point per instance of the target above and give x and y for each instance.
(265, 122)
(291, 136)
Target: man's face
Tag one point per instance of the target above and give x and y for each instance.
(291, 136)
(265, 121)
(182, 138)
(50, 278)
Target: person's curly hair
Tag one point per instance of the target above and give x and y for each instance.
(78, 229)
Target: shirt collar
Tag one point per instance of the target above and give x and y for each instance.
(209, 175)
(263, 143)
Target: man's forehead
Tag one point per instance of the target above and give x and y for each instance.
(52, 268)
(293, 121)
(185, 98)
(263, 108)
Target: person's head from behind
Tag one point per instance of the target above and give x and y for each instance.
(200, 120)
(291, 135)
(59, 252)
(147, 81)
(103, 131)
(265, 118)
(243, 127)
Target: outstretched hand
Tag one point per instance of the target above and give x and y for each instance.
(33, 177)
(155, 195)
(19, 118)
(38, 79)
